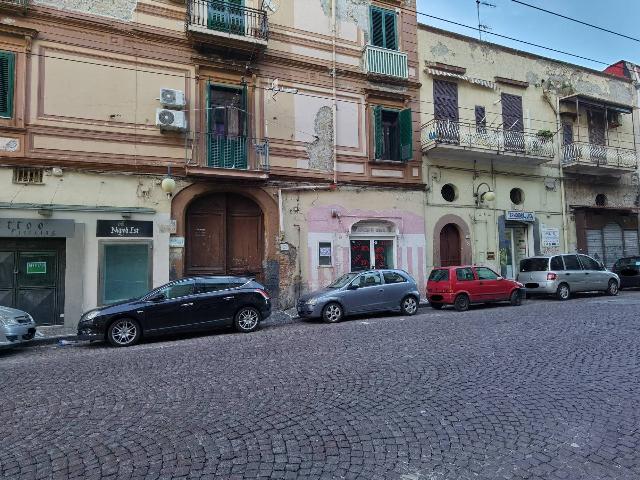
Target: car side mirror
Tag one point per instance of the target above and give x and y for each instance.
(353, 287)
(500, 278)
(158, 297)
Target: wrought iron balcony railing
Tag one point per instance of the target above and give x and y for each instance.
(382, 61)
(239, 153)
(481, 137)
(219, 16)
(599, 155)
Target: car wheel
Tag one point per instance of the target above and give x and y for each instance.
(612, 288)
(462, 303)
(563, 292)
(247, 320)
(409, 305)
(436, 306)
(124, 332)
(516, 298)
(332, 313)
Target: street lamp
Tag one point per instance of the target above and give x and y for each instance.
(488, 196)
(168, 184)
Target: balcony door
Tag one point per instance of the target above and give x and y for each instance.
(445, 105)
(227, 137)
(226, 16)
(512, 122)
(597, 135)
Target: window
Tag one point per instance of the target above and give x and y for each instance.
(178, 289)
(481, 119)
(227, 120)
(517, 196)
(485, 273)
(556, 264)
(393, 277)
(383, 28)
(533, 265)
(28, 175)
(393, 134)
(125, 271)
(208, 285)
(449, 192)
(439, 275)
(601, 200)
(7, 67)
(371, 253)
(370, 279)
(464, 274)
(324, 254)
(571, 262)
(589, 263)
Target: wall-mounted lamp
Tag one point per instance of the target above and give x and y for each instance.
(488, 196)
(168, 185)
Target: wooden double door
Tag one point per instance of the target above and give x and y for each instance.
(450, 246)
(225, 236)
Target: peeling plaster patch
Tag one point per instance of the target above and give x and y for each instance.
(441, 50)
(120, 9)
(321, 149)
(533, 78)
(353, 11)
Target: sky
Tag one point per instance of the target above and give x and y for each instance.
(524, 23)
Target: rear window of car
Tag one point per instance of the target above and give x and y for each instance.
(439, 275)
(628, 262)
(393, 277)
(534, 265)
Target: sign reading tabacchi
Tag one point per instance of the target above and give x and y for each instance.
(124, 228)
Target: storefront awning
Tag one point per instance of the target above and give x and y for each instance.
(598, 103)
(476, 81)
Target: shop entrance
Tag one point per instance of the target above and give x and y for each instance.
(517, 247)
(32, 277)
(224, 236)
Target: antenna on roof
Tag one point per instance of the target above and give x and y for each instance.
(482, 27)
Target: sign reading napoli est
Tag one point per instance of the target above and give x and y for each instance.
(518, 216)
(124, 228)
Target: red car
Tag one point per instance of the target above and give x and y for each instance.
(461, 286)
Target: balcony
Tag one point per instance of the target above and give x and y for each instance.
(15, 5)
(592, 159)
(384, 62)
(226, 25)
(451, 139)
(231, 157)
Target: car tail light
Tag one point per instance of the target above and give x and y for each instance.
(264, 294)
(551, 276)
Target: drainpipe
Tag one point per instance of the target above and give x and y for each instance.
(334, 100)
(565, 228)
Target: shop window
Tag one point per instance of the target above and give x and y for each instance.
(383, 28)
(601, 200)
(449, 192)
(371, 253)
(7, 68)
(125, 271)
(517, 196)
(393, 134)
(324, 254)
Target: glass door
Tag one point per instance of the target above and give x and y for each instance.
(125, 271)
(372, 253)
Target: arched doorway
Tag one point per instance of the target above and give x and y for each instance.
(450, 246)
(224, 236)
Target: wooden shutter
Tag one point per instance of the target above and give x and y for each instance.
(567, 134)
(390, 36)
(377, 27)
(377, 132)
(445, 99)
(406, 134)
(7, 62)
(512, 118)
(481, 119)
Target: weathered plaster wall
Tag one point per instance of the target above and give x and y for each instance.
(120, 9)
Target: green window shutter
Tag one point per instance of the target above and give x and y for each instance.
(377, 27)
(377, 132)
(244, 111)
(390, 34)
(406, 134)
(7, 67)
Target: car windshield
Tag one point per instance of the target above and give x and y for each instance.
(534, 265)
(343, 280)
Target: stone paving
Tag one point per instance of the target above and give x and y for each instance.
(548, 390)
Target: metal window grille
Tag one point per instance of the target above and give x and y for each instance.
(28, 175)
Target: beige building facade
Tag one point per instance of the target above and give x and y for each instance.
(519, 151)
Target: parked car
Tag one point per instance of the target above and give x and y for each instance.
(561, 275)
(362, 292)
(15, 326)
(464, 285)
(628, 269)
(189, 304)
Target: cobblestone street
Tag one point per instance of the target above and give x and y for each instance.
(544, 391)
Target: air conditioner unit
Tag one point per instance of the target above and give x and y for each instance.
(171, 119)
(171, 98)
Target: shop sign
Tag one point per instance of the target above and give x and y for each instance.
(36, 268)
(124, 228)
(518, 216)
(550, 237)
(36, 228)
(176, 242)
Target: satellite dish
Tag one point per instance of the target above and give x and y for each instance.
(271, 5)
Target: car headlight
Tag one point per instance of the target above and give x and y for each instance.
(90, 315)
(312, 302)
(6, 321)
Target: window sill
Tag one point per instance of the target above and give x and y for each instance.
(325, 266)
(388, 162)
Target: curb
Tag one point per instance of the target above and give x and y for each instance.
(36, 342)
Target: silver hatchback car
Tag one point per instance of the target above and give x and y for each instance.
(362, 292)
(15, 326)
(561, 275)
